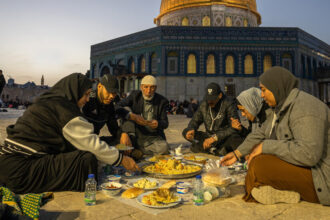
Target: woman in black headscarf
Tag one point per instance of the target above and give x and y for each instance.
(52, 147)
(290, 154)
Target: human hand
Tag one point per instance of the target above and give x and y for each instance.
(153, 124)
(208, 143)
(124, 139)
(190, 135)
(138, 119)
(236, 124)
(257, 150)
(129, 164)
(228, 160)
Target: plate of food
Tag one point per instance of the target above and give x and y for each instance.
(172, 169)
(144, 183)
(157, 158)
(161, 198)
(123, 147)
(196, 159)
(111, 188)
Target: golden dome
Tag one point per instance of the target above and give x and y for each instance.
(173, 5)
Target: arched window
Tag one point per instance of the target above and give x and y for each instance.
(172, 62)
(143, 64)
(287, 62)
(268, 62)
(154, 63)
(245, 22)
(105, 70)
(191, 64)
(248, 64)
(210, 64)
(229, 22)
(132, 65)
(206, 21)
(230, 65)
(185, 21)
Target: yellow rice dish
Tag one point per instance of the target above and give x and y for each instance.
(160, 197)
(170, 167)
(145, 184)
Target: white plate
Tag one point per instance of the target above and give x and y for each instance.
(169, 205)
(131, 183)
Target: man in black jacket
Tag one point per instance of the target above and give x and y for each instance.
(215, 112)
(100, 109)
(148, 134)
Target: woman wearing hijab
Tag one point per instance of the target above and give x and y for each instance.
(253, 108)
(290, 154)
(52, 147)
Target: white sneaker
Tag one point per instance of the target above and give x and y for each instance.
(268, 195)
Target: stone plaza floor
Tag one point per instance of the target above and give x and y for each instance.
(70, 205)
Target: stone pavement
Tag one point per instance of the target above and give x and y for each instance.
(70, 205)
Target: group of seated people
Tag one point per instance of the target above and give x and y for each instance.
(56, 143)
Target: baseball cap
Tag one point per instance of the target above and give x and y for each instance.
(110, 83)
(212, 91)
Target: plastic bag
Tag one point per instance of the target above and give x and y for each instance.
(217, 177)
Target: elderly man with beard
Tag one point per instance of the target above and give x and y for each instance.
(216, 112)
(147, 135)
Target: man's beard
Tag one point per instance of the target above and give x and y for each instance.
(148, 98)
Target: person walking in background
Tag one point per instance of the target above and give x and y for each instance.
(215, 112)
(2, 81)
(147, 134)
(52, 147)
(290, 154)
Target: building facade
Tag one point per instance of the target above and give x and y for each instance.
(185, 56)
(22, 93)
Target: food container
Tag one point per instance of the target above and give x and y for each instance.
(213, 192)
(210, 193)
(182, 187)
(111, 188)
(113, 178)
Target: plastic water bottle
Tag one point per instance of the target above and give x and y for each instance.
(90, 190)
(198, 198)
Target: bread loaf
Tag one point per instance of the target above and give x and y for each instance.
(168, 184)
(132, 193)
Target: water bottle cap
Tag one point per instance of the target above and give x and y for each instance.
(198, 177)
(90, 176)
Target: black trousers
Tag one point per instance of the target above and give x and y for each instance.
(220, 148)
(60, 172)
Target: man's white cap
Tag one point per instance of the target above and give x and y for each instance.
(149, 80)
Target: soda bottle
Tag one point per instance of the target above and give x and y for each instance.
(90, 190)
(198, 192)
